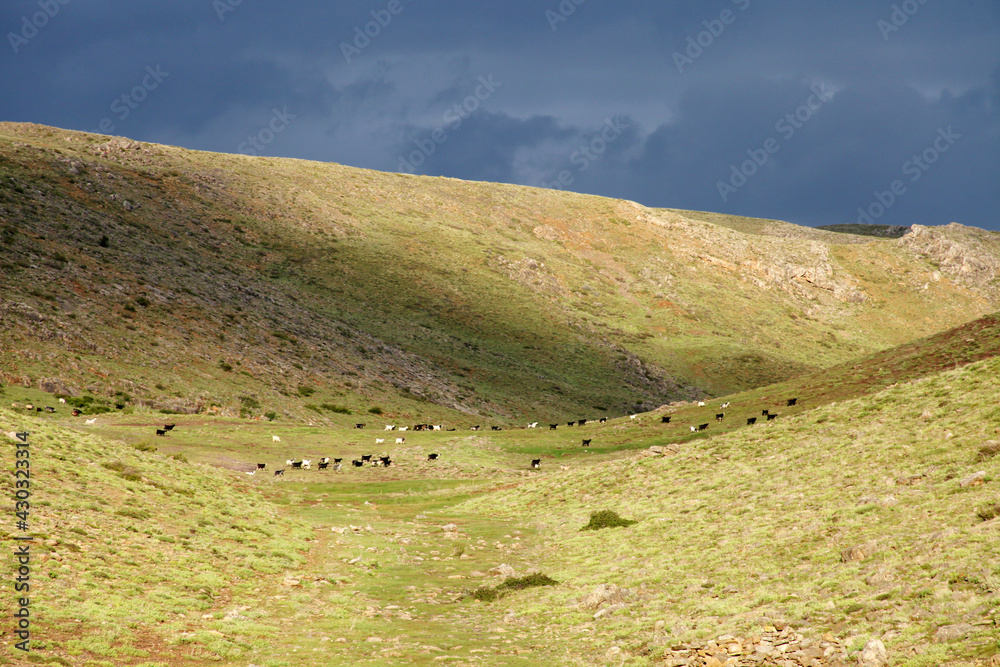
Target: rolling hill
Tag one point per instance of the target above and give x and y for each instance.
(197, 282)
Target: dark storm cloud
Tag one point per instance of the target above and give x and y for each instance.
(651, 101)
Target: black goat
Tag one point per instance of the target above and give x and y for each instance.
(751, 421)
(261, 466)
(586, 443)
(702, 427)
(160, 431)
(432, 457)
(536, 463)
(553, 427)
(665, 419)
(792, 401)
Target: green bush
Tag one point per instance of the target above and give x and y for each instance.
(487, 594)
(306, 391)
(271, 416)
(339, 409)
(223, 365)
(606, 519)
(128, 472)
(376, 410)
(144, 447)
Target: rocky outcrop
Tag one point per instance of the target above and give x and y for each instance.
(965, 254)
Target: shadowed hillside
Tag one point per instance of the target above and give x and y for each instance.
(217, 283)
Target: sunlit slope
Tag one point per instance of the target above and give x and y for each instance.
(132, 549)
(196, 280)
(863, 519)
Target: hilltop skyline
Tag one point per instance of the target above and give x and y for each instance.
(884, 113)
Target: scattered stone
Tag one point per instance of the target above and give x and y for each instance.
(858, 553)
(449, 528)
(873, 654)
(503, 570)
(975, 479)
(947, 633)
(605, 594)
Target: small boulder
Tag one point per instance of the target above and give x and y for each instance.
(858, 553)
(947, 633)
(975, 479)
(503, 570)
(873, 654)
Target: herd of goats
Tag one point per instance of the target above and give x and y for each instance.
(386, 461)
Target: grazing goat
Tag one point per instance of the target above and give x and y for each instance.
(325, 459)
(536, 463)
(702, 427)
(91, 421)
(701, 404)
(336, 461)
(160, 431)
(297, 464)
(400, 441)
(693, 429)
(532, 424)
(261, 466)
(603, 420)
(404, 428)
(763, 413)
(390, 427)
(169, 427)
(719, 417)
(275, 438)
(494, 428)
(553, 427)
(62, 400)
(379, 441)
(306, 463)
(279, 472)
(632, 416)
(570, 423)
(792, 401)
(432, 457)
(336, 467)
(323, 465)
(357, 463)
(365, 458)
(771, 416)
(665, 419)
(725, 405)
(252, 472)
(386, 461)
(586, 443)
(359, 426)
(751, 421)
(49, 408)
(582, 422)
(77, 412)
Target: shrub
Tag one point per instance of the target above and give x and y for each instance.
(223, 365)
(271, 416)
(306, 391)
(249, 402)
(133, 514)
(376, 410)
(485, 594)
(606, 519)
(144, 447)
(339, 409)
(530, 581)
(143, 301)
(179, 457)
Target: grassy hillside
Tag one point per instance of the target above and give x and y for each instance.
(857, 515)
(197, 282)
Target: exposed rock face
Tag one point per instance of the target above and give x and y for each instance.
(963, 253)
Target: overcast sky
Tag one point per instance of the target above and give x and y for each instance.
(815, 112)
